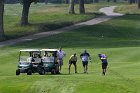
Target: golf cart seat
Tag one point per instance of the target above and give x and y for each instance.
(37, 60)
(48, 59)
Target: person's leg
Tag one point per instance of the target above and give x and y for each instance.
(105, 66)
(103, 69)
(103, 72)
(75, 66)
(69, 67)
(59, 65)
(84, 67)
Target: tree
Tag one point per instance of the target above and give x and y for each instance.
(46, 1)
(71, 7)
(26, 6)
(132, 1)
(66, 1)
(96, 1)
(1, 18)
(114, 0)
(81, 7)
(138, 4)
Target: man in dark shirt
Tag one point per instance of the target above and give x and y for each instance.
(103, 58)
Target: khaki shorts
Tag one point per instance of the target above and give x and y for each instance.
(60, 62)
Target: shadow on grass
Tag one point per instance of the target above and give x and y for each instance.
(134, 17)
(111, 34)
(52, 26)
(104, 35)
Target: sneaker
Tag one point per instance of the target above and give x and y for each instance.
(103, 73)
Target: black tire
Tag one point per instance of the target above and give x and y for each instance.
(18, 72)
(41, 72)
(29, 72)
(53, 71)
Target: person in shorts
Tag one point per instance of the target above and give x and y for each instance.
(60, 55)
(103, 58)
(85, 58)
(73, 60)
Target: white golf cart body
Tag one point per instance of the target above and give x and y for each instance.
(26, 63)
(49, 60)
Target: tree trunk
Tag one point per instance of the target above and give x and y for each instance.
(46, 1)
(132, 1)
(138, 4)
(96, 1)
(66, 1)
(81, 7)
(1, 18)
(114, 0)
(108, 0)
(25, 12)
(71, 7)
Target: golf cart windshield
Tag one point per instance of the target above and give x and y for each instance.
(27, 55)
(26, 59)
(48, 55)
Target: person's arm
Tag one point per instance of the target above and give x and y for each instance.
(64, 54)
(70, 58)
(89, 56)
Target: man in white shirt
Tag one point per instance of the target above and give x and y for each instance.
(85, 57)
(60, 55)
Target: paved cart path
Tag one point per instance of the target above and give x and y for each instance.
(106, 10)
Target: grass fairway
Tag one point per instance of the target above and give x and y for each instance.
(118, 38)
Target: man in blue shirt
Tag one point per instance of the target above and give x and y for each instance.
(85, 57)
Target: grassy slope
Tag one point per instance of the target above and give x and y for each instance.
(121, 43)
(43, 17)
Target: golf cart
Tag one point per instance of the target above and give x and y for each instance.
(29, 61)
(49, 62)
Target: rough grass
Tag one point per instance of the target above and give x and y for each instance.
(45, 17)
(128, 9)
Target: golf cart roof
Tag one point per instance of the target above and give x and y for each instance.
(30, 50)
(49, 50)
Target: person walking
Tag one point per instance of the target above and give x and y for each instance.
(73, 60)
(60, 55)
(103, 58)
(85, 57)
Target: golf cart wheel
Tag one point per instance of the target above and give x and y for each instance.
(17, 72)
(29, 72)
(53, 71)
(41, 71)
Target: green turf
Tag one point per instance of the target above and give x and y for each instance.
(120, 41)
(44, 17)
